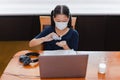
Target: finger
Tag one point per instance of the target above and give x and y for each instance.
(57, 43)
(54, 34)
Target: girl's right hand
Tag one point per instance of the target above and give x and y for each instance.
(49, 37)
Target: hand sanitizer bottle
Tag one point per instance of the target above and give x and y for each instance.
(102, 66)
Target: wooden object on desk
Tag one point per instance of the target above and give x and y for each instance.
(16, 71)
(45, 20)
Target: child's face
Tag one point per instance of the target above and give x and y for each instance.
(61, 21)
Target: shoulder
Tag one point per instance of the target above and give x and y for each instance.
(74, 32)
(48, 29)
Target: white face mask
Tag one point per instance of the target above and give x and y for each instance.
(61, 25)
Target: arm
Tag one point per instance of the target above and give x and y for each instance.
(74, 40)
(38, 41)
(66, 47)
(35, 42)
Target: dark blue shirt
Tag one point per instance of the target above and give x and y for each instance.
(71, 37)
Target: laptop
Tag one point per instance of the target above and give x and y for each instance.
(63, 64)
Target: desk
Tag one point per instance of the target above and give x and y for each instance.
(32, 73)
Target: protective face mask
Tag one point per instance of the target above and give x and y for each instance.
(61, 25)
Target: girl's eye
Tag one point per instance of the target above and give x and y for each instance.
(61, 21)
(64, 21)
(58, 21)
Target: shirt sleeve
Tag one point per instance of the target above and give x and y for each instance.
(75, 40)
(45, 32)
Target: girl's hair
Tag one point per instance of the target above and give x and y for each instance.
(61, 9)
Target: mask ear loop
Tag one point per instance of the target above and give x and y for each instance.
(69, 17)
(53, 15)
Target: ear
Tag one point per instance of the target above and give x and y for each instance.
(53, 18)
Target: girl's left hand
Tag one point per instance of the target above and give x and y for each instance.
(62, 44)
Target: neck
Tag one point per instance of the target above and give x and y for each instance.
(61, 32)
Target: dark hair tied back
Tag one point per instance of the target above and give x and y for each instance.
(61, 9)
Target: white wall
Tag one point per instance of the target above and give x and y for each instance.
(33, 7)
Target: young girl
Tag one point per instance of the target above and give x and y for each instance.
(60, 34)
